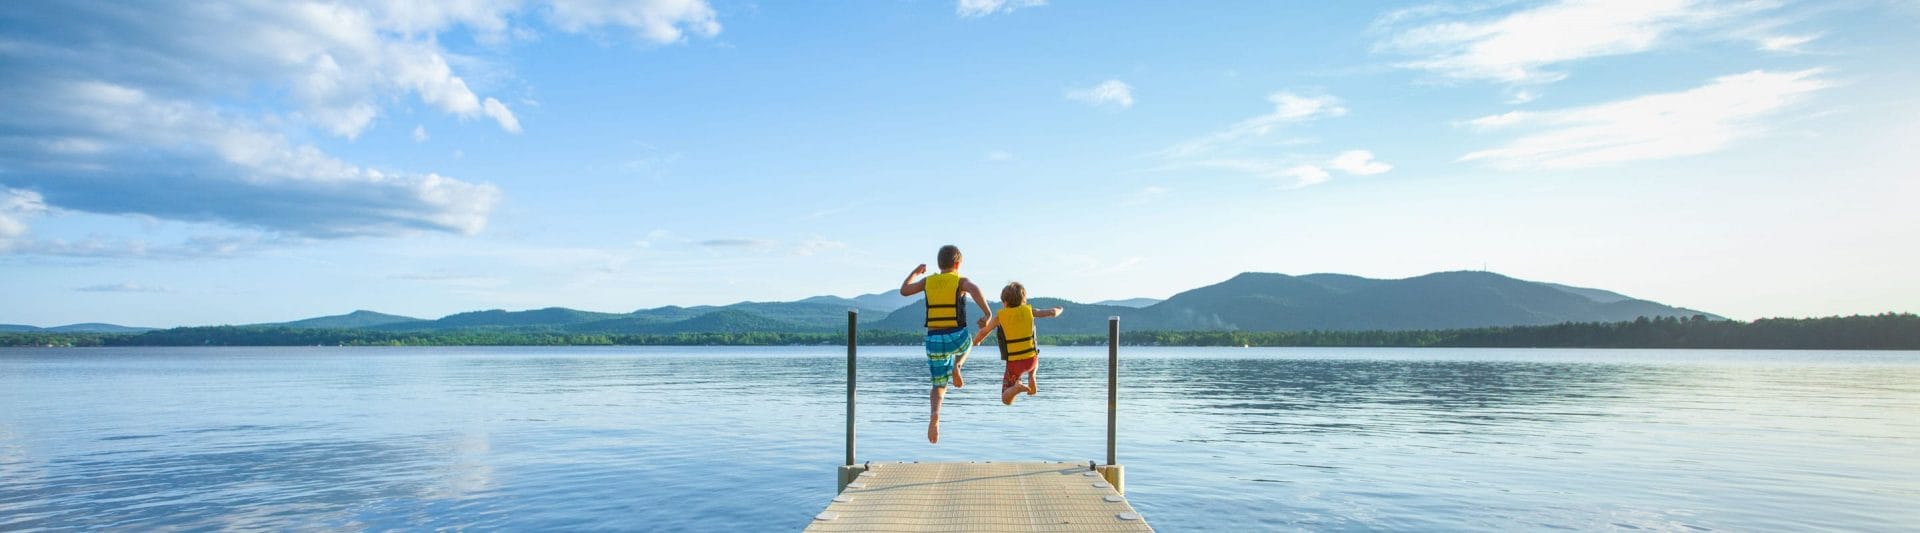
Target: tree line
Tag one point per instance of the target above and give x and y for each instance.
(1888, 331)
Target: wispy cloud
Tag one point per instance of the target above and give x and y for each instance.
(1245, 148)
(1790, 44)
(1114, 93)
(817, 245)
(1288, 108)
(126, 286)
(1526, 45)
(1358, 163)
(16, 208)
(998, 155)
(102, 248)
(180, 160)
(737, 243)
(981, 8)
(198, 111)
(1655, 126)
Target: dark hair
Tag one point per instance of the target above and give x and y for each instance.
(1015, 295)
(949, 256)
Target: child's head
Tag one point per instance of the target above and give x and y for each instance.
(1014, 295)
(949, 257)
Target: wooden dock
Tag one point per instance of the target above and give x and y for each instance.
(984, 496)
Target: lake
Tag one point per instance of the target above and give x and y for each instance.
(721, 439)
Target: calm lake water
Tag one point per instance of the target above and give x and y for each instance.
(719, 439)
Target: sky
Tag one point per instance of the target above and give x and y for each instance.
(240, 161)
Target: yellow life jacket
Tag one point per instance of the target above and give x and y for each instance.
(1016, 333)
(944, 310)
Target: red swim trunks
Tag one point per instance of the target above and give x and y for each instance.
(1015, 369)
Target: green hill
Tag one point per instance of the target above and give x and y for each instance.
(1251, 302)
(1268, 302)
(356, 319)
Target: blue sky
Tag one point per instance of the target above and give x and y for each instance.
(171, 164)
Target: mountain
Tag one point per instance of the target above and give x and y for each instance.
(1257, 301)
(356, 319)
(501, 319)
(882, 302)
(1442, 300)
(1135, 303)
(1252, 301)
(96, 327)
(89, 327)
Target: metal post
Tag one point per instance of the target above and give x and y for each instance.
(852, 316)
(1113, 379)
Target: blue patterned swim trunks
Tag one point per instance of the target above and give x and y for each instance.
(943, 348)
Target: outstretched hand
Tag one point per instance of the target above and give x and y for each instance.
(983, 322)
(1057, 311)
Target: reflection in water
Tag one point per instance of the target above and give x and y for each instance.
(747, 438)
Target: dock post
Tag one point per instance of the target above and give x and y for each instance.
(1113, 379)
(849, 471)
(1113, 472)
(852, 335)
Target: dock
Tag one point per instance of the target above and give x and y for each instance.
(982, 495)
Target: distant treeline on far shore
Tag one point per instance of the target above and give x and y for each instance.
(1888, 331)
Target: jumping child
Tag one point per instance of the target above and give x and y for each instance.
(1018, 347)
(946, 323)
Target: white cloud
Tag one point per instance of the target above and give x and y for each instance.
(737, 243)
(419, 134)
(1525, 45)
(1299, 172)
(16, 208)
(1287, 108)
(1786, 43)
(999, 155)
(981, 8)
(1306, 175)
(184, 111)
(125, 286)
(1358, 163)
(1695, 121)
(816, 245)
(660, 21)
(179, 160)
(1110, 92)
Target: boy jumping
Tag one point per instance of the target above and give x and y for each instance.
(1017, 343)
(946, 323)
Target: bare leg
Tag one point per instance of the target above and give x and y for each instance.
(933, 426)
(1032, 386)
(1007, 394)
(957, 363)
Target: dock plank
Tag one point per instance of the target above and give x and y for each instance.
(984, 496)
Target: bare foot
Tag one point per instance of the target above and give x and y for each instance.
(933, 431)
(1008, 394)
(1032, 387)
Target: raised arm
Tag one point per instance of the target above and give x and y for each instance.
(1048, 313)
(993, 321)
(981, 300)
(909, 287)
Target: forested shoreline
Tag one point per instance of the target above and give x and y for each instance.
(1889, 331)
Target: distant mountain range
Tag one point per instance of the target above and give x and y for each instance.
(1247, 302)
(90, 327)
